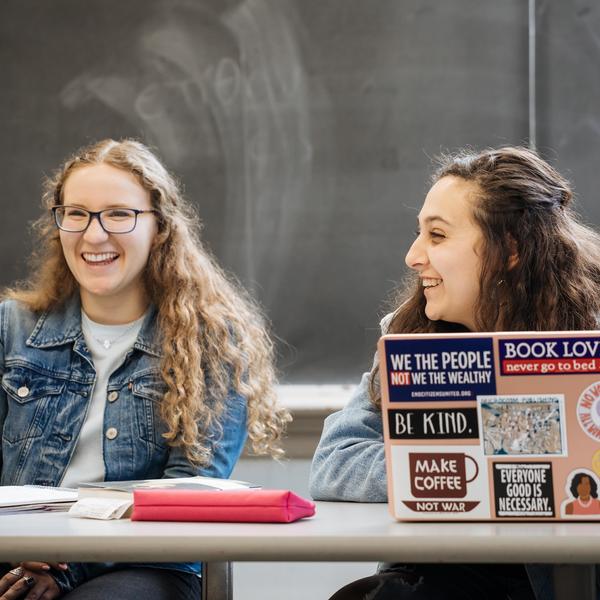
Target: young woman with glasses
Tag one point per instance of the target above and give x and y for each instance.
(129, 354)
(498, 248)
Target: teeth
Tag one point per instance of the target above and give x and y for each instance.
(431, 282)
(89, 257)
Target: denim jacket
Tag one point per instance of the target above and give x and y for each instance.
(349, 464)
(47, 380)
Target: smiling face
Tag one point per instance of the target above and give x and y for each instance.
(446, 253)
(108, 267)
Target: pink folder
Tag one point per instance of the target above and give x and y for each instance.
(241, 506)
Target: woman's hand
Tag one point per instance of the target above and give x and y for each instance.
(27, 584)
(32, 565)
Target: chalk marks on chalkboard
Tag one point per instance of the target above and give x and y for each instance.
(224, 92)
(275, 125)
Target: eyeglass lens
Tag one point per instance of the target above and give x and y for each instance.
(113, 220)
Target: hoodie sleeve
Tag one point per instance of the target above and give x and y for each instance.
(349, 462)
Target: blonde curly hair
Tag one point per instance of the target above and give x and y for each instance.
(213, 334)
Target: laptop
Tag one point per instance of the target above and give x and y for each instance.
(502, 426)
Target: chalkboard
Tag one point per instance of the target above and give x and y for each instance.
(303, 130)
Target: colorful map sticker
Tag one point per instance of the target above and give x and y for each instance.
(549, 356)
(452, 369)
(582, 495)
(523, 489)
(523, 425)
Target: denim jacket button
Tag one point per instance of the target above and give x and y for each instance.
(111, 433)
(23, 391)
(113, 396)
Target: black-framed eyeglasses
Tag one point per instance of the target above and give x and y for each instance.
(75, 219)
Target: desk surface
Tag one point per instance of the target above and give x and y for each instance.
(338, 532)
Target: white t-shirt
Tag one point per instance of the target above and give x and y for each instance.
(108, 345)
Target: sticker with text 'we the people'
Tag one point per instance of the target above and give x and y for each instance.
(449, 369)
(523, 489)
(550, 356)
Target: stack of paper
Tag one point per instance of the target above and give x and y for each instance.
(23, 498)
(124, 489)
(114, 499)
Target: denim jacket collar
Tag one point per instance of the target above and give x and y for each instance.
(63, 326)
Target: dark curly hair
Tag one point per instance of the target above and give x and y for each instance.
(522, 205)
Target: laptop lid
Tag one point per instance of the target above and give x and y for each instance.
(492, 426)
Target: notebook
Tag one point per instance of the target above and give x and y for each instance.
(502, 426)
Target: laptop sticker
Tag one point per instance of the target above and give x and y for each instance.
(549, 356)
(588, 410)
(451, 482)
(530, 425)
(433, 423)
(450, 369)
(582, 495)
(523, 489)
(596, 462)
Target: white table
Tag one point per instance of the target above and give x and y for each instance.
(339, 532)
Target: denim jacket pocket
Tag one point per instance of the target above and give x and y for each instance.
(148, 392)
(29, 395)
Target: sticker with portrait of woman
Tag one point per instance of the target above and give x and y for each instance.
(582, 492)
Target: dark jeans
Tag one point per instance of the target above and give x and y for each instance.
(441, 582)
(137, 583)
